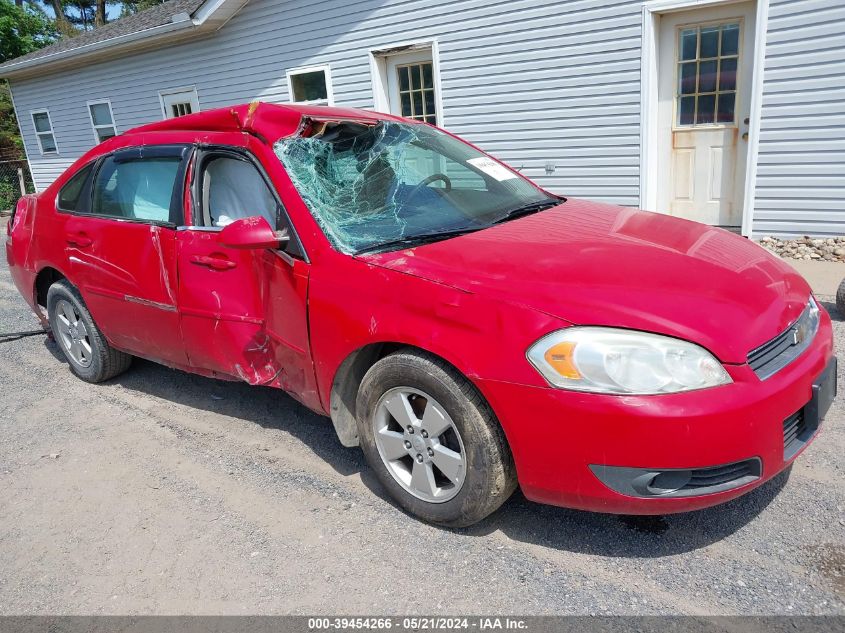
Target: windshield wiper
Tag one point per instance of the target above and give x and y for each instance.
(422, 238)
(527, 209)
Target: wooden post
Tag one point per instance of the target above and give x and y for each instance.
(21, 182)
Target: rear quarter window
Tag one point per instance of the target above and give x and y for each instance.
(71, 195)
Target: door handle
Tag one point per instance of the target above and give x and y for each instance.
(215, 263)
(79, 239)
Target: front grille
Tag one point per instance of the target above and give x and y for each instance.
(796, 433)
(774, 355)
(765, 356)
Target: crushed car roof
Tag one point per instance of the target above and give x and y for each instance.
(263, 119)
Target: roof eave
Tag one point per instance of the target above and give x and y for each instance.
(209, 17)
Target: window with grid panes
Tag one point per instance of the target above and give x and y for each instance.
(180, 109)
(416, 91)
(708, 57)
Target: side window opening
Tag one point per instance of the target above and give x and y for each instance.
(71, 195)
(232, 188)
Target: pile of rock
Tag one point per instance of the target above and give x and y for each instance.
(830, 249)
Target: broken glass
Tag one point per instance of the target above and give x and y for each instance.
(370, 183)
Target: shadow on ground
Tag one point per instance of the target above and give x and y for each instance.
(832, 310)
(520, 519)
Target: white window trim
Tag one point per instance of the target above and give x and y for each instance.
(327, 73)
(649, 140)
(38, 134)
(378, 73)
(91, 117)
(194, 99)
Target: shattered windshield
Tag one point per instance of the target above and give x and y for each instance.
(372, 184)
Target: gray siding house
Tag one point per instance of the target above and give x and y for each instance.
(730, 113)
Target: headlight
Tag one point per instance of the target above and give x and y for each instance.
(609, 360)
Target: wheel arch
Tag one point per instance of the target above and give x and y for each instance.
(347, 380)
(45, 278)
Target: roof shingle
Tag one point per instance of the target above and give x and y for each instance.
(150, 18)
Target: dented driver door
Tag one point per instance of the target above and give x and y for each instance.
(243, 311)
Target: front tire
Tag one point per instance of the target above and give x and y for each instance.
(88, 353)
(433, 440)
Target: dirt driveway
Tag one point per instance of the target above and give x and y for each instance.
(162, 492)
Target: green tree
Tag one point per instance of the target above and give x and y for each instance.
(62, 21)
(23, 29)
(128, 7)
(11, 145)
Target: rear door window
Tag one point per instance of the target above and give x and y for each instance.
(136, 189)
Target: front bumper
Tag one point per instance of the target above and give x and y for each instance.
(559, 438)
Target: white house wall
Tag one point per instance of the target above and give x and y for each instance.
(531, 81)
(801, 165)
(535, 82)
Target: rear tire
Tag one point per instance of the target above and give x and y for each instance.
(454, 475)
(88, 353)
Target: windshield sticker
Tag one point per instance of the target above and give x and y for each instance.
(492, 168)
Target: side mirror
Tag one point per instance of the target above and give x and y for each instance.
(253, 232)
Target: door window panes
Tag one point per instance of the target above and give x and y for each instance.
(416, 91)
(727, 75)
(725, 111)
(136, 189)
(708, 57)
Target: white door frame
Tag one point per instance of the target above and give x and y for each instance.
(378, 73)
(649, 141)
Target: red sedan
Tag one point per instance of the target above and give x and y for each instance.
(469, 330)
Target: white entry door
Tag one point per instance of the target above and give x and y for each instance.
(705, 65)
(411, 86)
(412, 94)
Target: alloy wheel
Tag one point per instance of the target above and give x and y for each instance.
(73, 334)
(419, 444)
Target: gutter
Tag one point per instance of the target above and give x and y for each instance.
(209, 17)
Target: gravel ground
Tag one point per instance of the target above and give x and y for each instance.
(831, 249)
(162, 492)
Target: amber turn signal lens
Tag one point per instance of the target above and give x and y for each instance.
(560, 358)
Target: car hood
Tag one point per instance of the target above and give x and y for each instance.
(598, 264)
